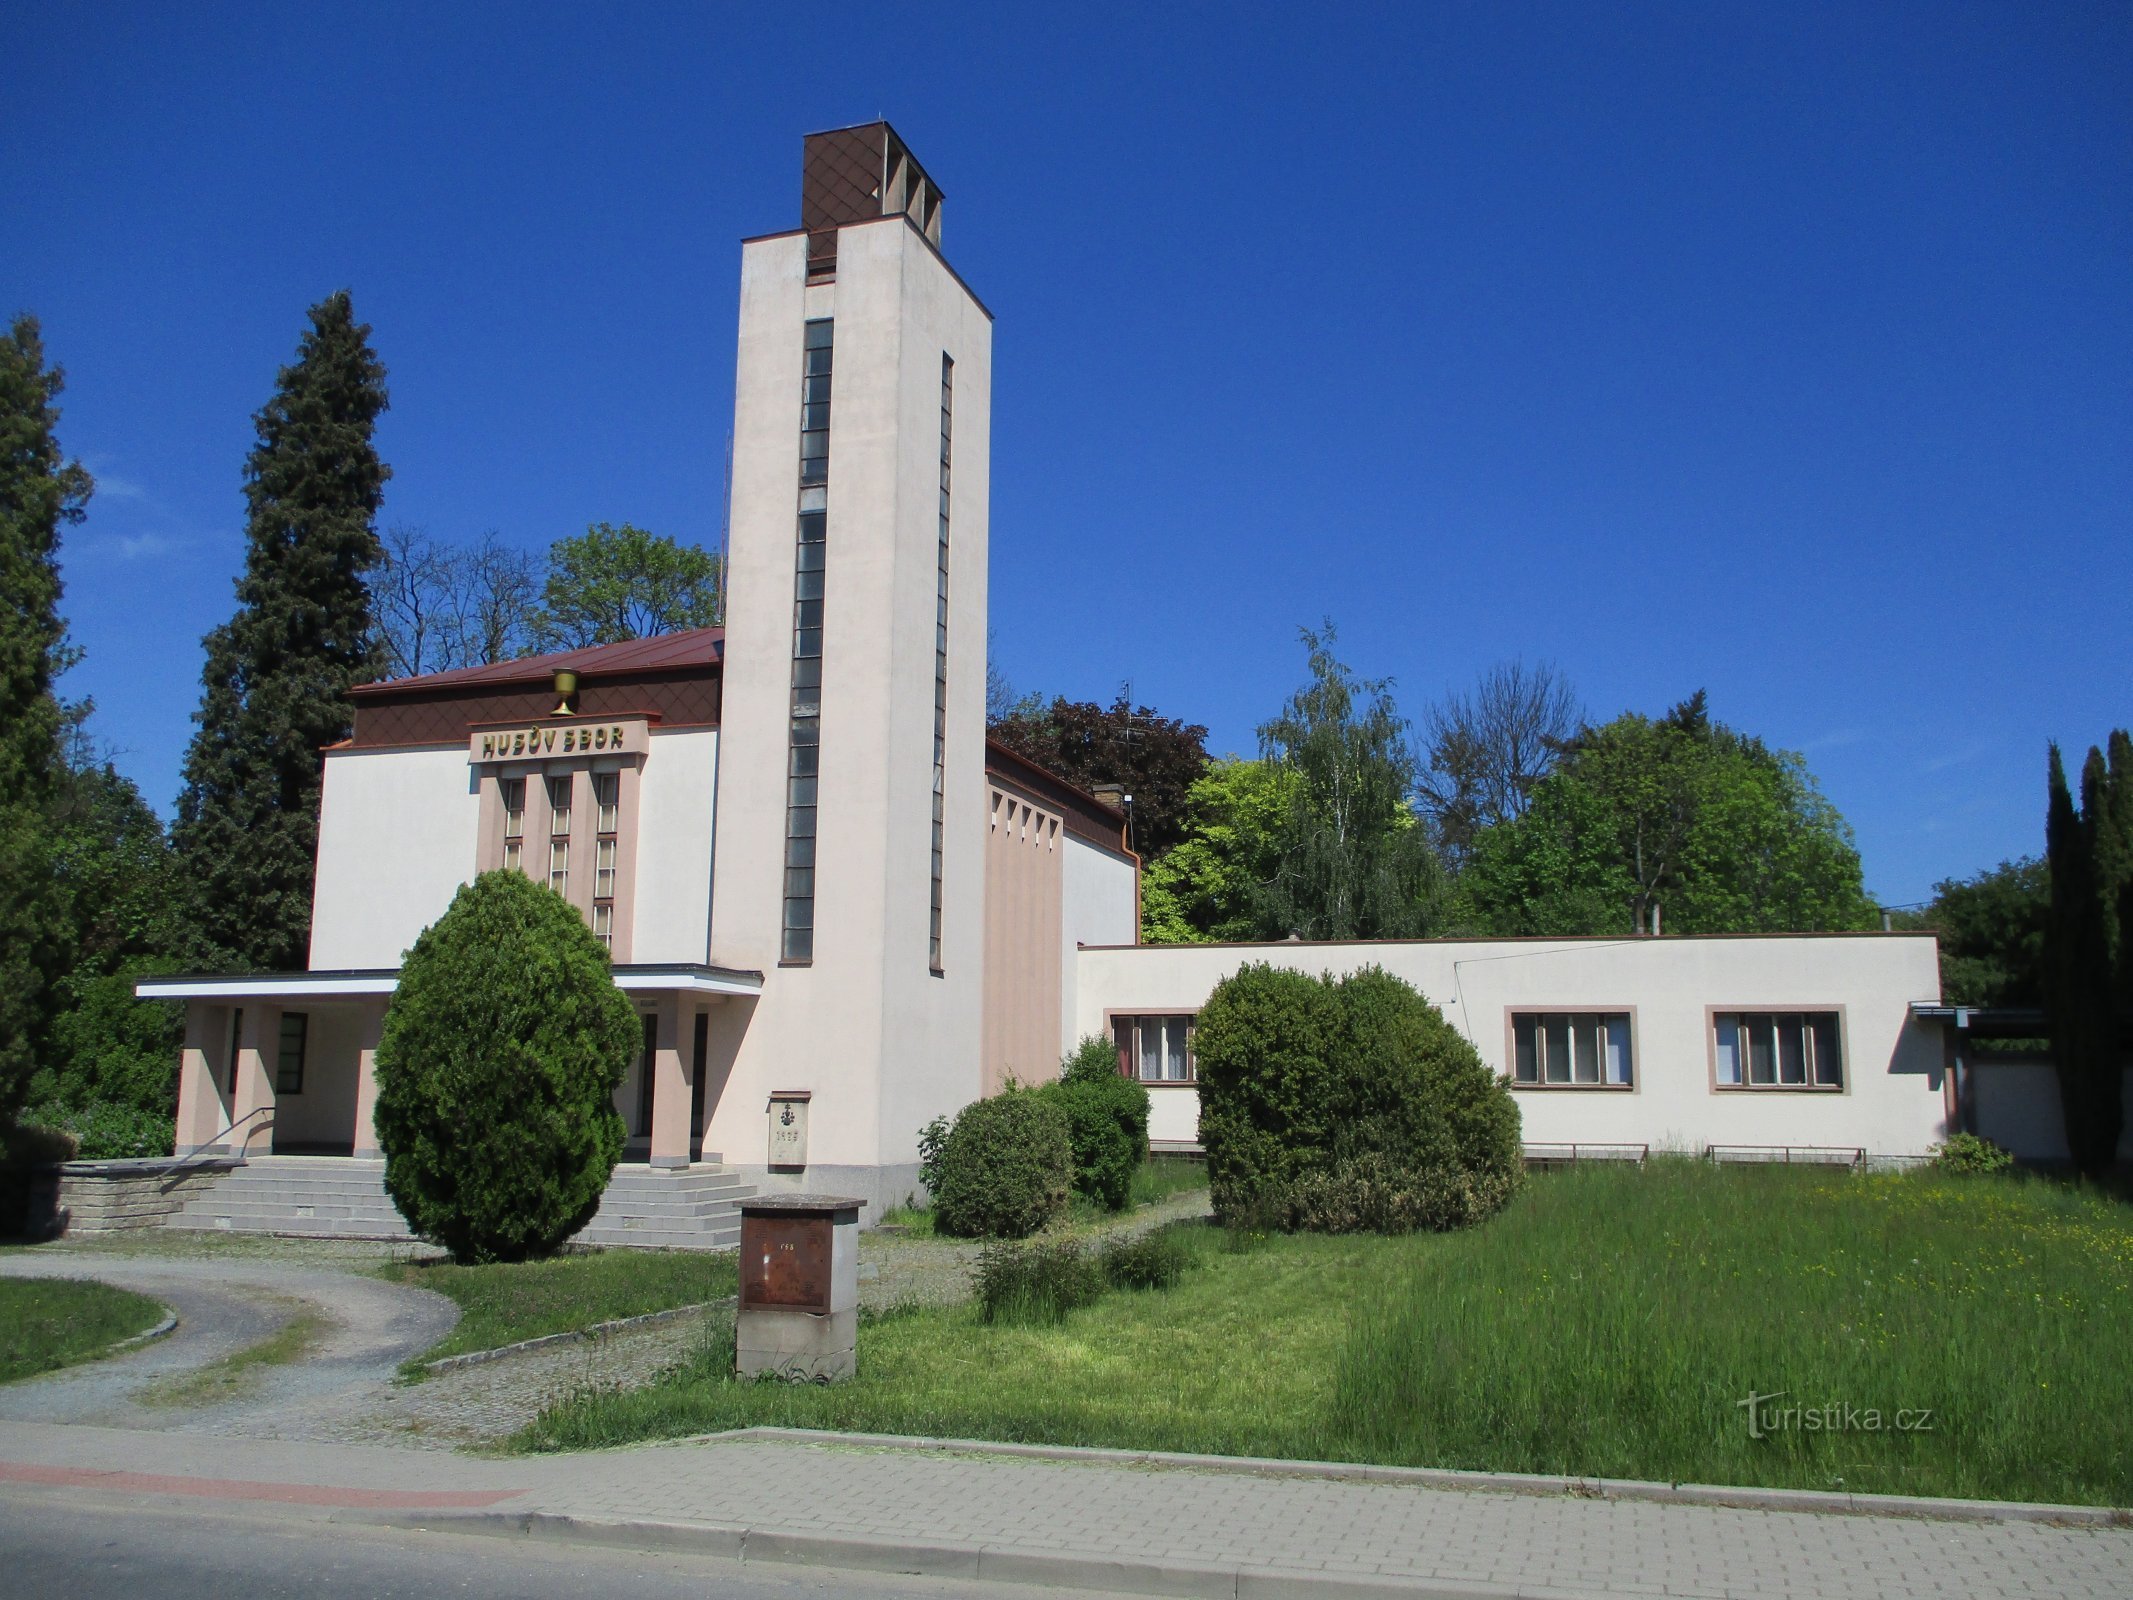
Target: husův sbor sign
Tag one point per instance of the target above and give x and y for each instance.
(537, 741)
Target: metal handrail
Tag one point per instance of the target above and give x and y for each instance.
(200, 1158)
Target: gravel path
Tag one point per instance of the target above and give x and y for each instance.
(230, 1292)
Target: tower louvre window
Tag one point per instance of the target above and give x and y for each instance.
(809, 585)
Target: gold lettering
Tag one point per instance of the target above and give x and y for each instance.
(617, 739)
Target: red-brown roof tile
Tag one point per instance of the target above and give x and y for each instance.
(664, 652)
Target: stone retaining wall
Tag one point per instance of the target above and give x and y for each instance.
(117, 1196)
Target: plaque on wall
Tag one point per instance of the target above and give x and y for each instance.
(788, 1128)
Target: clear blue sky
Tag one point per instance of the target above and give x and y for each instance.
(1778, 350)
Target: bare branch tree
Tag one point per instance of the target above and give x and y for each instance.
(496, 601)
(408, 599)
(438, 606)
(1490, 745)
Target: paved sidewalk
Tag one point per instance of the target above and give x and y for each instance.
(1103, 1525)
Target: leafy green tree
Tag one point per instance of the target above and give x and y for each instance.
(1353, 861)
(497, 1070)
(109, 1070)
(40, 492)
(275, 685)
(1209, 886)
(1680, 814)
(1990, 929)
(2084, 987)
(1154, 758)
(614, 583)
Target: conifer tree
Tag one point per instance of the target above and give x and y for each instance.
(40, 490)
(275, 686)
(2083, 851)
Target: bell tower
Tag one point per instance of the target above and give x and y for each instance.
(848, 857)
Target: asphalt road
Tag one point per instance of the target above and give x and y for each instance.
(82, 1548)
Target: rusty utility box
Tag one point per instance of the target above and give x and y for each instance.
(799, 1304)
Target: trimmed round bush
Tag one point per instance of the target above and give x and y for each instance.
(497, 1071)
(1002, 1171)
(1970, 1153)
(1348, 1106)
(1107, 1122)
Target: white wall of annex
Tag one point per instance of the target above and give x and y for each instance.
(672, 879)
(396, 839)
(1891, 1104)
(1099, 905)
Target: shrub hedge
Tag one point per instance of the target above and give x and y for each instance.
(497, 1071)
(1003, 1168)
(1347, 1105)
(1107, 1122)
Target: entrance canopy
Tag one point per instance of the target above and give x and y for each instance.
(666, 978)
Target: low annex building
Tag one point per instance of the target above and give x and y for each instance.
(842, 911)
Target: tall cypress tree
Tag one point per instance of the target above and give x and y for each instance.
(40, 490)
(275, 687)
(2079, 983)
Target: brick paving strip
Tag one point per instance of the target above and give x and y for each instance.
(1144, 1524)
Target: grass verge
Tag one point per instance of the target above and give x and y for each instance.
(47, 1323)
(1608, 1323)
(237, 1373)
(505, 1303)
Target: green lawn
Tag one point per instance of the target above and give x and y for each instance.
(503, 1304)
(1606, 1324)
(55, 1322)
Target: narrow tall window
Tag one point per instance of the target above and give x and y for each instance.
(607, 810)
(514, 797)
(940, 658)
(559, 834)
(289, 1056)
(804, 748)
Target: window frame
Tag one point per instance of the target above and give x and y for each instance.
(1511, 1015)
(1129, 1055)
(1788, 1008)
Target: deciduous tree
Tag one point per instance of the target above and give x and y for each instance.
(1490, 746)
(613, 583)
(1354, 861)
(276, 682)
(1154, 758)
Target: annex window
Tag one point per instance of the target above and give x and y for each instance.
(1778, 1050)
(289, 1053)
(1155, 1049)
(513, 793)
(940, 661)
(810, 571)
(1571, 1050)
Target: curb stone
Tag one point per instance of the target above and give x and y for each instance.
(170, 1321)
(1057, 1569)
(474, 1358)
(1816, 1501)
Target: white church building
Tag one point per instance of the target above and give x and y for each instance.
(842, 911)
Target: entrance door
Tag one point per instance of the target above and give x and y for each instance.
(700, 1052)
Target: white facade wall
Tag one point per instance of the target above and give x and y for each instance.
(1891, 1104)
(396, 838)
(672, 877)
(882, 1043)
(1100, 904)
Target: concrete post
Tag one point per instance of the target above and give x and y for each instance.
(372, 1027)
(670, 1086)
(202, 1114)
(258, 1043)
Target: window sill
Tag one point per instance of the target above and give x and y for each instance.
(1583, 1088)
(794, 961)
(1777, 1088)
(1166, 1083)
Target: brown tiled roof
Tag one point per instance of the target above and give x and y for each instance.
(664, 652)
